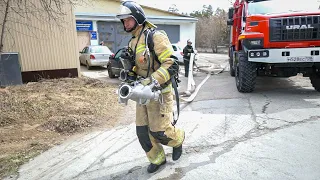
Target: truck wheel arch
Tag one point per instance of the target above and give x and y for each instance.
(239, 46)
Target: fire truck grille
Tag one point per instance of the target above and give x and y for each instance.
(297, 28)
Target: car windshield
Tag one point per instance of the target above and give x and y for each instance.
(118, 54)
(175, 47)
(282, 6)
(100, 49)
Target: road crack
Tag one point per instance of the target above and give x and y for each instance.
(227, 146)
(268, 102)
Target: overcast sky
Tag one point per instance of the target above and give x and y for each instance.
(186, 6)
(192, 5)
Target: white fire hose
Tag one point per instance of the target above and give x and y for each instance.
(191, 83)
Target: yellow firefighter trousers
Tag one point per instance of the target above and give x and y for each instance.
(153, 123)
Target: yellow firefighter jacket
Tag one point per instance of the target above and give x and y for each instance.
(163, 49)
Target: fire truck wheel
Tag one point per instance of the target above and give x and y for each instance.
(315, 81)
(246, 73)
(232, 71)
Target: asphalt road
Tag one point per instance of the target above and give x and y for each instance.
(272, 133)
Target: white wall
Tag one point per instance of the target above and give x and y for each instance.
(95, 28)
(187, 31)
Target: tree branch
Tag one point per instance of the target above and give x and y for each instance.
(4, 24)
(26, 12)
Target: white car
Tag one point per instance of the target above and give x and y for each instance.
(178, 52)
(95, 56)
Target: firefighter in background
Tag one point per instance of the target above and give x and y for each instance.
(153, 121)
(186, 56)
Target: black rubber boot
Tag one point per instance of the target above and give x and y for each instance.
(153, 167)
(177, 151)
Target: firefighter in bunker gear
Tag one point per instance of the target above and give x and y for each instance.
(186, 57)
(153, 121)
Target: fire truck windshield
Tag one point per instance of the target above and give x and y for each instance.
(282, 6)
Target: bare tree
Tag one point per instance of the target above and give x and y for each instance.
(211, 29)
(22, 11)
(173, 8)
(219, 29)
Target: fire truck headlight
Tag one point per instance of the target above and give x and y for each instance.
(256, 42)
(253, 43)
(258, 53)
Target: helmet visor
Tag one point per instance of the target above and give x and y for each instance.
(123, 16)
(125, 12)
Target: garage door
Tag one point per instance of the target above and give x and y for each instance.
(83, 40)
(173, 32)
(113, 35)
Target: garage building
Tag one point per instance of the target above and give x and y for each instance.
(97, 22)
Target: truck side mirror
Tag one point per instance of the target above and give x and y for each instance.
(230, 13)
(230, 22)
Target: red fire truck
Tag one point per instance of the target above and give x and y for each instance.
(278, 38)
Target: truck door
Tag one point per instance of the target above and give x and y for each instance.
(243, 17)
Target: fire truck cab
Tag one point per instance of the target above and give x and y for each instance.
(278, 38)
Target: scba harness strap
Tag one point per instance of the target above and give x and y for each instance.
(173, 70)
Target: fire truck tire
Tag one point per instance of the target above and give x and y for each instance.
(232, 71)
(246, 73)
(315, 81)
